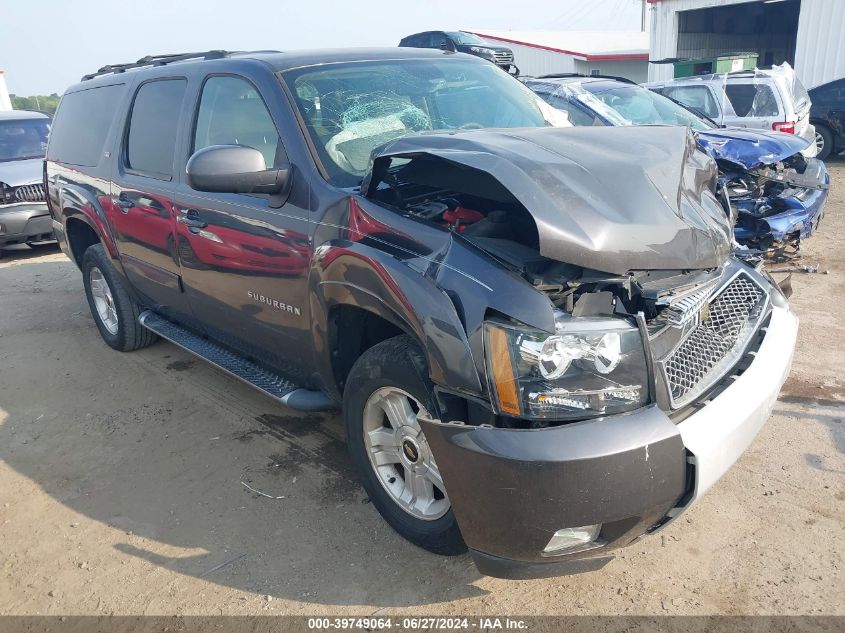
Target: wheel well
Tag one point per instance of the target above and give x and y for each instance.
(80, 236)
(352, 331)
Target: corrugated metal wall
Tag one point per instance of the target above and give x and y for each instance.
(535, 61)
(819, 51)
(635, 69)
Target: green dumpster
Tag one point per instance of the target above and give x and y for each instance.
(730, 62)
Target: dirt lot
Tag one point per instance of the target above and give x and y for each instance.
(121, 487)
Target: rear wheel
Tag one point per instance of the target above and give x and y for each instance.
(115, 311)
(824, 142)
(386, 397)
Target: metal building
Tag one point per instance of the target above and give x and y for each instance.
(806, 33)
(619, 53)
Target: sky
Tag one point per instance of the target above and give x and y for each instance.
(47, 45)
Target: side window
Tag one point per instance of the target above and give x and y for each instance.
(696, 97)
(752, 99)
(577, 116)
(82, 123)
(151, 141)
(231, 112)
(439, 40)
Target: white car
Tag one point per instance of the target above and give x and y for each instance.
(771, 99)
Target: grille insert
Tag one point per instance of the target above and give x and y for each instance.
(30, 193)
(717, 338)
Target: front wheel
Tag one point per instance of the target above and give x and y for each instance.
(387, 395)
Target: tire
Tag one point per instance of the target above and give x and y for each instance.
(824, 137)
(393, 371)
(123, 332)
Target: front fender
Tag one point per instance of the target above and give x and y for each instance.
(352, 273)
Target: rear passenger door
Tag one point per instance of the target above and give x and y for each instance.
(142, 214)
(245, 264)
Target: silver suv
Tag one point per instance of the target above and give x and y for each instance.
(771, 99)
(23, 211)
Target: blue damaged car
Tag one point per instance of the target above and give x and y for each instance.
(776, 194)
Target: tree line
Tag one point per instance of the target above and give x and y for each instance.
(44, 103)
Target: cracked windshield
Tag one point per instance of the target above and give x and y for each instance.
(350, 109)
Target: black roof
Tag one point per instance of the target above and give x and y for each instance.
(279, 61)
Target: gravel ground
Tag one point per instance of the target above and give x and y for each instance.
(122, 487)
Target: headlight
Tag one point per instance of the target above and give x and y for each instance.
(590, 366)
(478, 49)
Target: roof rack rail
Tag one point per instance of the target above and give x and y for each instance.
(156, 60)
(567, 75)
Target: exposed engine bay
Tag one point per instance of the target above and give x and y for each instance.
(643, 253)
(775, 203)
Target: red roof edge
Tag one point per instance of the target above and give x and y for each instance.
(586, 56)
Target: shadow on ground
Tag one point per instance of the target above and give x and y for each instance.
(161, 448)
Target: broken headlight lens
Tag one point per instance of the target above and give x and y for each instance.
(590, 366)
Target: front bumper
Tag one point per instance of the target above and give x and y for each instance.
(512, 489)
(25, 222)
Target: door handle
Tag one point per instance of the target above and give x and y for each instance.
(124, 203)
(191, 219)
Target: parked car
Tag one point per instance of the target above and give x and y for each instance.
(827, 114)
(777, 193)
(543, 350)
(23, 212)
(463, 42)
(773, 99)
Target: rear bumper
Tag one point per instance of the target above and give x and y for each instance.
(25, 222)
(512, 489)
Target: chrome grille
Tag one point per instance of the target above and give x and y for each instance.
(502, 57)
(724, 326)
(30, 193)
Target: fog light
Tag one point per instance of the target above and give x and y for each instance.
(575, 539)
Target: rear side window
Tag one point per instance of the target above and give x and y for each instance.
(82, 123)
(151, 140)
(696, 97)
(752, 99)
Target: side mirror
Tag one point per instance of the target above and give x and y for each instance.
(447, 45)
(235, 169)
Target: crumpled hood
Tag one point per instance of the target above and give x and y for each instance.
(751, 149)
(22, 172)
(612, 199)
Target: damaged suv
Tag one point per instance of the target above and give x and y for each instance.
(543, 349)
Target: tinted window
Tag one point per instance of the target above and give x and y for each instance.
(696, 97)
(231, 112)
(23, 138)
(576, 115)
(752, 99)
(151, 141)
(82, 123)
(418, 41)
(639, 106)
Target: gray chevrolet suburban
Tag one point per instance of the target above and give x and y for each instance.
(541, 342)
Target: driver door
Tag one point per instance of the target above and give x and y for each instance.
(244, 264)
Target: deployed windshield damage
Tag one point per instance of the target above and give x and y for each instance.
(349, 109)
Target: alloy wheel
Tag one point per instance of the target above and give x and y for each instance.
(399, 453)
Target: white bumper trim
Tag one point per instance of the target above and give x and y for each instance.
(720, 432)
